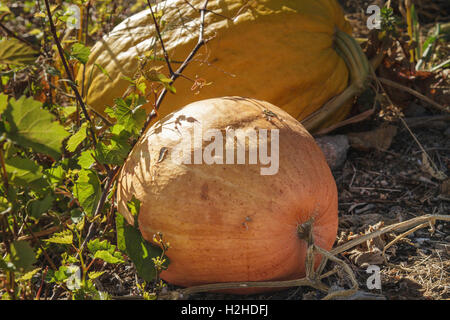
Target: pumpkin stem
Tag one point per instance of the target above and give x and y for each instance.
(359, 70)
(305, 231)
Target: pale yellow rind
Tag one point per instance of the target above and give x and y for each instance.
(278, 51)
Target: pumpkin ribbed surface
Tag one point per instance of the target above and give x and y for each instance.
(273, 50)
(227, 222)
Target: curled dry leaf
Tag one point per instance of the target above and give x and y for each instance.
(371, 251)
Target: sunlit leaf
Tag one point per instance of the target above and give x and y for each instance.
(3, 102)
(22, 255)
(141, 252)
(95, 274)
(32, 126)
(37, 207)
(85, 160)
(107, 257)
(25, 173)
(12, 51)
(80, 52)
(77, 138)
(87, 190)
(64, 237)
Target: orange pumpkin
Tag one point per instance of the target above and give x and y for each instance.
(229, 222)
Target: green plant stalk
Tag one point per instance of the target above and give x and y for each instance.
(416, 33)
(2, 163)
(359, 70)
(441, 65)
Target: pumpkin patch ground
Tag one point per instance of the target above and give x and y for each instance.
(95, 204)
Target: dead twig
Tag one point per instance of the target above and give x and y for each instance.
(174, 75)
(69, 73)
(414, 93)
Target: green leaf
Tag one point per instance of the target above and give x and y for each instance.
(37, 207)
(117, 150)
(22, 255)
(85, 160)
(60, 275)
(28, 275)
(96, 245)
(95, 274)
(13, 51)
(80, 52)
(25, 173)
(141, 252)
(87, 190)
(3, 102)
(103, 70)
(6, 265)
(64, 237)
(107, 257)
(134, 205)
(4, 205)
(4, 8)
(132, 118)
(104, 250)
(77, 138)
(55, 174)
(32, 126)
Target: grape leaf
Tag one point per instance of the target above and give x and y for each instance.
(80, 52)
(25, 173)
(141, 252)
(96, 245)
(64, 237)
(85, 160)
(22, 255)
(32, 126)
(117, 150)
(87, 190)
(3, 102)
(95, 274)
(55, 174)
(77, 138)
(107, 257)
(12, 51)
(37, 207)
(131, 117)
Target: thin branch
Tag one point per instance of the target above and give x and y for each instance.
(16, 36)
(414, 93)
(3, 167)
(158, 32)
(69, 73)
(201, 41)
(46, 256)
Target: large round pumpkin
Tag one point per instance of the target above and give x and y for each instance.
(230, 222)
(279, 51)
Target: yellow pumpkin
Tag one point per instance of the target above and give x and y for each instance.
(227, 221)
(279, 51)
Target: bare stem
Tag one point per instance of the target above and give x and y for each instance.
(158, 32)
(69, 73)
(174, 75)
(414, 93)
